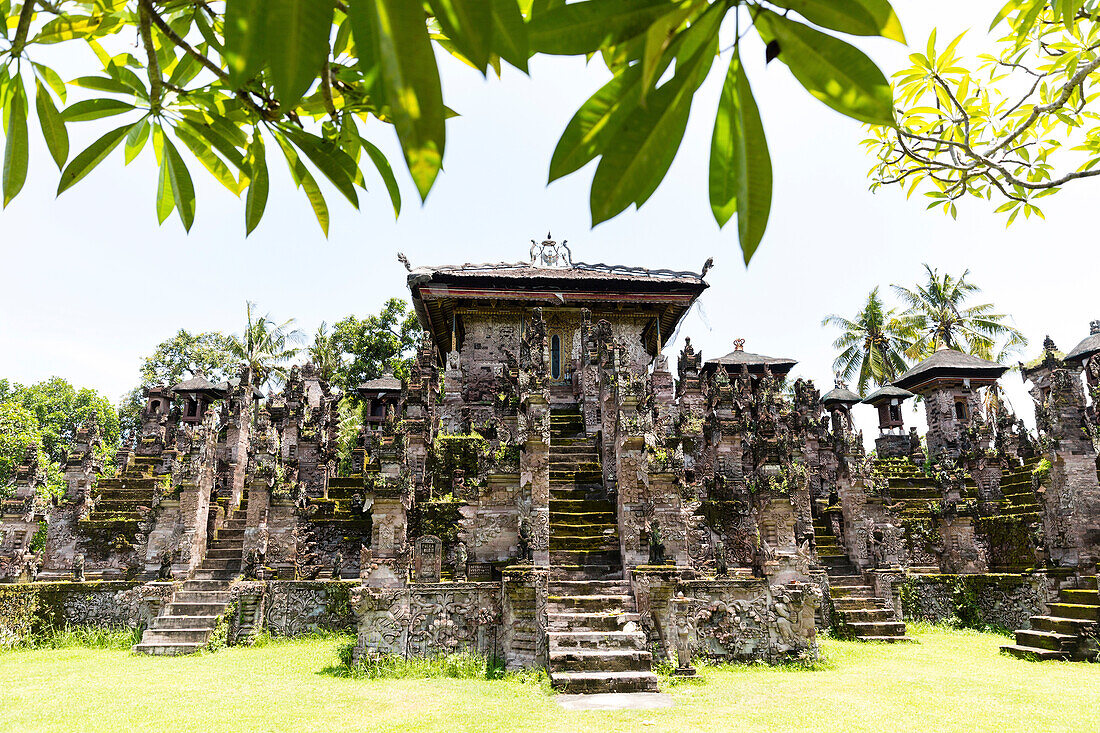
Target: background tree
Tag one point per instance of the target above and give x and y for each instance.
(18, 432)
(323, 353)
(60, 409)
(175, 359)
(872, 345)
(224, 88)
(265, 347)
(372, 345)
(1018, 126)
(185, 354)
(939, 316)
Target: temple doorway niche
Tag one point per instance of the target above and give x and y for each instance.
(561, 363)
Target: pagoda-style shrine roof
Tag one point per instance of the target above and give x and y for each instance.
(437, 292)
(386, 383)
(1089, 346)
(886, 393)
(198, 385)
(755, 363)
(235, 382)
(840, 396)
(951, 365)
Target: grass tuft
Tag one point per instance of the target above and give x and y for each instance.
(80, 637)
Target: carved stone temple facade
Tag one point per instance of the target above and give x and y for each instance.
(543, 488)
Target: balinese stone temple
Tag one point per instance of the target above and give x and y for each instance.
(544, 489)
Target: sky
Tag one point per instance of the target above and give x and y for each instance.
(91, 284)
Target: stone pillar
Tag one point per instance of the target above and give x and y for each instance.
(256, 528)
(534, 471)
(238, 436)
(949, 410)
(525, 643)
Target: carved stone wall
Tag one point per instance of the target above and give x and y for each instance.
(1000, 600)
(428, 618)
(734, 619)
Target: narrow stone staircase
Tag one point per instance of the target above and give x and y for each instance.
(860, 615)
(187, 621)
(584, 532)
(1070, 632)
(596, 645)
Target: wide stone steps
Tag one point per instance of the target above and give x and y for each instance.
(574, 543)
(1071, 630)
(600, 660)
(187, 621)
(603, 682)
(589, 603)
(593, 621)
(587, 529)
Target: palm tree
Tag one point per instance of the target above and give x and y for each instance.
(323, 353)
(872, 345)
(266, 346)
(939, 317)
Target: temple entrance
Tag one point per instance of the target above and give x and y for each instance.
(561, 367)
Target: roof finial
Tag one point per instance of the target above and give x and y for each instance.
(739, 344)
(706, 266)
(551, 254)
(404, 261)
(1094, 327)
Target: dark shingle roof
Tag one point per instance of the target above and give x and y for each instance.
(1085, 349)
(755, 362)
(840, 396)
(576, 271)
(195, 384)
(386, 383)
(949, 363)
(887, 392)
(236, 382)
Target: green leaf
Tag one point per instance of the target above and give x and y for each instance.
(642, 149)
(302, 29)
(510, 39)
(740, 167)
(597, 120)
(204, 153)
(53, 126)
(91, 156)
(585, 27)
(659, 36)
(166, 202)
(468, 24)
(135, 140)
(305, 180)
(398, 31)
(858, 17)
(256, 201)
(835, 72)
(222, 135)
(333, 162)
(386, 172)
(102, 84)
(94, 109)
(183, 190)
(16, 147)
(245, 32)
(53, 80)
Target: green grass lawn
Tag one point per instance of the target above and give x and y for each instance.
(949, 681)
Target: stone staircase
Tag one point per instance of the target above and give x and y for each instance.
(584, 531)
(187, 621)
(1070, 632)
(860, 615)
(596, 645)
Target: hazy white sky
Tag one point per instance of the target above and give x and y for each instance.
(91, 283)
